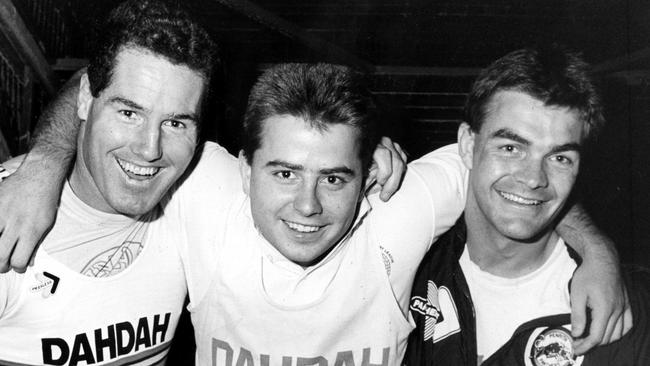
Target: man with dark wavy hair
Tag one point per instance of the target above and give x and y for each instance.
(108, 285)
(495, 290)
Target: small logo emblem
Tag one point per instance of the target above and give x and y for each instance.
(47, 284)
(438, 301)
(551, 347)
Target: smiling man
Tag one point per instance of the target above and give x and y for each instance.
(495, 290)
(139, 104)
(301, 266)
(305, 185)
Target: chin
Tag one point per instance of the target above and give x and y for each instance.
(524, 233)
(135, 209)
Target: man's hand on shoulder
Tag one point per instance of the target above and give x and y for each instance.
(598, 293)
(28, 207)
(387, 170)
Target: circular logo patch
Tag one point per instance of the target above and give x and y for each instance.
(552, 347)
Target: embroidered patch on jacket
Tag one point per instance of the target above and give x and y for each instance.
(439, 310)
(551, 347)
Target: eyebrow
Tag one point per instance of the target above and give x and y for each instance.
(571, 146)
(336, 170)
(508, 134)
(127, 102)
(131, 104)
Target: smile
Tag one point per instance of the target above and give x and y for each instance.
(302, 228)
(141, 171)
(518, 199)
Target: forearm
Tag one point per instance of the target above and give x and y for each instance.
(27, 204)
(579, 231)
(55, 138)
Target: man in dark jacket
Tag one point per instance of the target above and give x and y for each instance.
(494, 290)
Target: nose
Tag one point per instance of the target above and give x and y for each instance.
(148, 144)
(306, 201)
(532, 174)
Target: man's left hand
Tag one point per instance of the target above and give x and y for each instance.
(601, 292)
(387, 170)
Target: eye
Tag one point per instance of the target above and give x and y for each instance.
(562, 159)
(334, 180)
(509, 148)
(285, 174)
(127, 114)
(174, 124)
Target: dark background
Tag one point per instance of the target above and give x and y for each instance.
(421, 57)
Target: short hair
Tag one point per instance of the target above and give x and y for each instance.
(553, 75)
(321, 94)
(163, 29)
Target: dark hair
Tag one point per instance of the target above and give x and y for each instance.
(161, 28)
(552, 74)
(321, 94)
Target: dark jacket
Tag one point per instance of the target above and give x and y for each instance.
(442, 308)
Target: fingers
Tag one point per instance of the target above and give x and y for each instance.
(596, 331)
(391, 163)
(22, 254)
(17, 246)
(624, 322)
(578, 314)
(7, 243)
(401, 152)
(628, 320)
(383, 160)
(612, 323)
(371, 180)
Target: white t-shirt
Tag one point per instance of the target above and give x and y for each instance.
(54, 314)
(503, 304)
(252, 279)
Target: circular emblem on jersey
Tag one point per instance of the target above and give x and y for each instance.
(551, 347)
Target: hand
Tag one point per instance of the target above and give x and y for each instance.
(27, 211)
(600, 290)
(387, 170)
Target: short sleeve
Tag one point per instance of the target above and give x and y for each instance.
(202, 203)
(430, 200)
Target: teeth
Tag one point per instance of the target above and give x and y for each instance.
(138, 170)
(520, 200)
(302, 228)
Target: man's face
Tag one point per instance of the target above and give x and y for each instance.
(524, 162)
(304, 186)
(139, 135)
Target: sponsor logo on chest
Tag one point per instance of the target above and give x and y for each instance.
(106, 343)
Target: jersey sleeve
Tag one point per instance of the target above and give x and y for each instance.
(201, 202)
(429, 202)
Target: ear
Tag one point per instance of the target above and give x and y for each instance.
(84, 98)
(466, 144)
(245, 172)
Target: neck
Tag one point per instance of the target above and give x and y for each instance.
(506, 257)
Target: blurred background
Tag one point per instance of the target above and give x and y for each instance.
(421, 57)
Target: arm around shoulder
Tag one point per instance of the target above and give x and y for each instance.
(29, 197)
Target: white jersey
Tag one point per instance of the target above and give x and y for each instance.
(52, 314)
(503, 304)
(250, 305)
